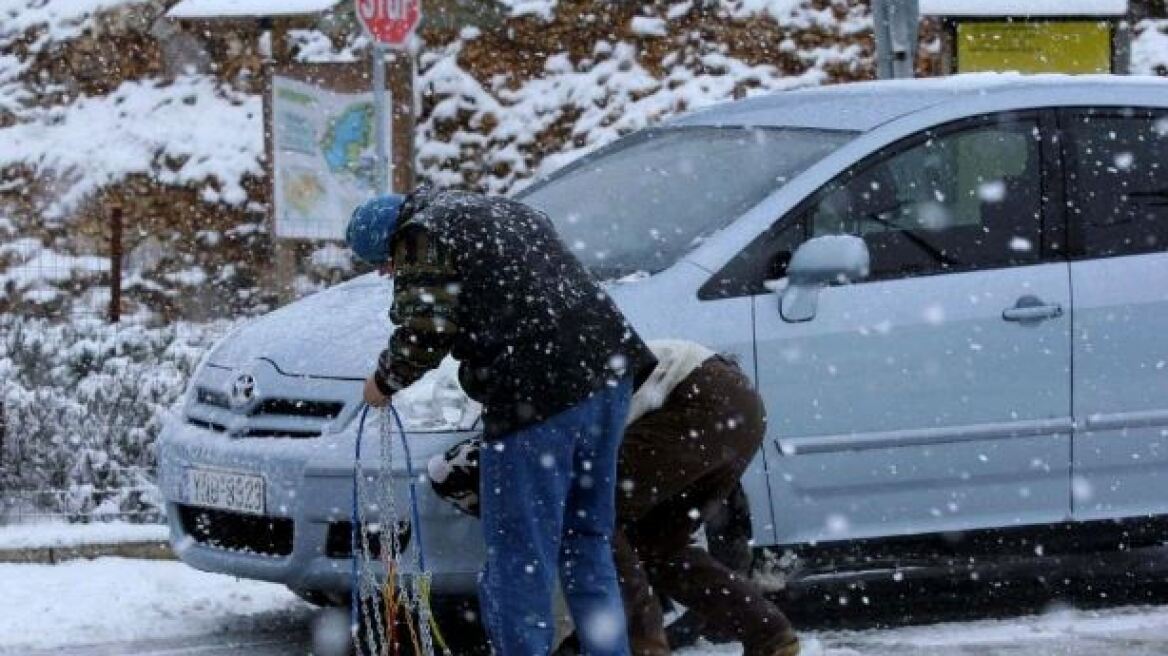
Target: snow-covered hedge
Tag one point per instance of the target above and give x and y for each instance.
(83, 405)
(150, 127)
(1150, 47)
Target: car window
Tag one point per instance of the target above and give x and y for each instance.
(960, 200)
(644, 202)
(955, 198)
(1117, 185)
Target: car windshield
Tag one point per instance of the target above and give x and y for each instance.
(642, 203)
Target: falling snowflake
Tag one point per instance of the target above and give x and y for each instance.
(992, 192)
(837, 524)
(1021, 245)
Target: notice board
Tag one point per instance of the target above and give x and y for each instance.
(323, 155)
(1051, 46)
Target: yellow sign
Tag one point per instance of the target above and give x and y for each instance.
(1034, 47)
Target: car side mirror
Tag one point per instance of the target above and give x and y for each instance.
(819, 262)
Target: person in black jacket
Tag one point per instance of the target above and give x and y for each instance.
(552, 361)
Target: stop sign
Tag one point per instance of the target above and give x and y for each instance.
(390, 21)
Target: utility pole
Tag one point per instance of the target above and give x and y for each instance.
(897, 26)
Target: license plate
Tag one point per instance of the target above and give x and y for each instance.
(226, 490)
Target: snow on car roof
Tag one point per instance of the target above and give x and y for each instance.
(191, 9)
(1024, 7)
(865, 105)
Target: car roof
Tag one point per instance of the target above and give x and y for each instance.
(863, 106)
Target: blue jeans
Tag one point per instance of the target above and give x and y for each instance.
(548, 500)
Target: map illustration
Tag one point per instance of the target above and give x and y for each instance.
(325, 162)
(347, 142)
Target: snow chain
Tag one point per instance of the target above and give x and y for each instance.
(386, 601)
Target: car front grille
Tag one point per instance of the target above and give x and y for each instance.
(274, 417)
(339, 540)
(300, 408)
(232, 531)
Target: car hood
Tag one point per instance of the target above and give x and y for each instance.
(336, 333)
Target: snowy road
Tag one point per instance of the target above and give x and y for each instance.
(115, 607)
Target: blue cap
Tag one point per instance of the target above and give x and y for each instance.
(371, 227)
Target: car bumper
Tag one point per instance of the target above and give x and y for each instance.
(302, 537)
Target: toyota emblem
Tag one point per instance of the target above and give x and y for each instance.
(243, 390)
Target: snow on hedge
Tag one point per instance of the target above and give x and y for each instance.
(58, 20)
(780, 10)
(34, 268)
(193, 131)
(544, 9)
(1150, 47)
(605, 96)
(43, 22)
(84, 403)
(165, 130)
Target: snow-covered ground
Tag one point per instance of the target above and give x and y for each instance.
(117, 606)
(119, 600)
(32, 536)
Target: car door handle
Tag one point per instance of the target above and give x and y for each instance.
(1031, 310)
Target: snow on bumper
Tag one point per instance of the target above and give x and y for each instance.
(302, 537)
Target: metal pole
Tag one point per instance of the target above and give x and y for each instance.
(401, 87)
(380, 116)
(896, 24)
(115, 306)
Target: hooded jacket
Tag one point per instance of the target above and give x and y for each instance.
(487, 280)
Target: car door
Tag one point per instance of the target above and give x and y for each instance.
(935, 395)
(1117, 193)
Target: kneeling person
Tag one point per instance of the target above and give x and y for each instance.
(694, 426)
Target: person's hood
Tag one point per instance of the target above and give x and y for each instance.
(416, 201)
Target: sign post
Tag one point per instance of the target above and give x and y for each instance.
(391, 23)
(379, 117)
(896, 25)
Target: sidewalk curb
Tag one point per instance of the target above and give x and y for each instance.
(154, 550)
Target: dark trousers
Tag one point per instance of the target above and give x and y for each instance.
(686, 459)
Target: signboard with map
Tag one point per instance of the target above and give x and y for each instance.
(323, 158)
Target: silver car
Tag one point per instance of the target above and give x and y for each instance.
(952, 293)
